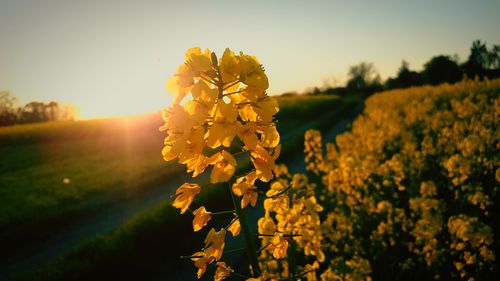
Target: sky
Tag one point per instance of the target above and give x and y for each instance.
(113, 57)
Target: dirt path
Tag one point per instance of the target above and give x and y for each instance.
(67, 237)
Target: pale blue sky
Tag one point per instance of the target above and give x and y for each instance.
(113, 57)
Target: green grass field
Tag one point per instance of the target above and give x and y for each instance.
(108, 161)
(101, 161)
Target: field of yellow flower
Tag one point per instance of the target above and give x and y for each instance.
(412, 191)
(409, 192)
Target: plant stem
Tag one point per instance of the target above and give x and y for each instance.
(292, 261)
(284, 235)
(222, 213)
(252, 253)
(234, 250)
(192, 257)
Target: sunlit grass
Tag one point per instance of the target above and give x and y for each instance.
(104, 160)
(98, 158)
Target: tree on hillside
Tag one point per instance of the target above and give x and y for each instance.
(494, 57)
(7, 101)
(479, 54)
(405, 78)
(441, 69)
(363, 77)
(482, 62)
(43, 112)
(7, 108)
(478, 60)
(51, 110)
(32, 112)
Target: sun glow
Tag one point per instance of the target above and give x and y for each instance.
(128, 106)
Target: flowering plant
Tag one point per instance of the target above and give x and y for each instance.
(228, 109)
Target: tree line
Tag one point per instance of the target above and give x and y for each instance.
(32, 112)
(483, 62)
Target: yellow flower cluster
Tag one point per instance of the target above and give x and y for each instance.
(291, 217)
(471, 242)
(217, 101)
(228, 99)
(214, 246)
(411, 189)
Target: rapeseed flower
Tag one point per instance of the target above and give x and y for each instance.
(185, 195)
(244, 187)
(224, 166)
(201, 218)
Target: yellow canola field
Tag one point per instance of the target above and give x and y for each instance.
(412, 191)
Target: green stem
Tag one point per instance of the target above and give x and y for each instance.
(234, 250)
(284, 235)
(239, 275)
(192, 257)
(292, 261)
(252, 253)
(297, 277)
(222, 213)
